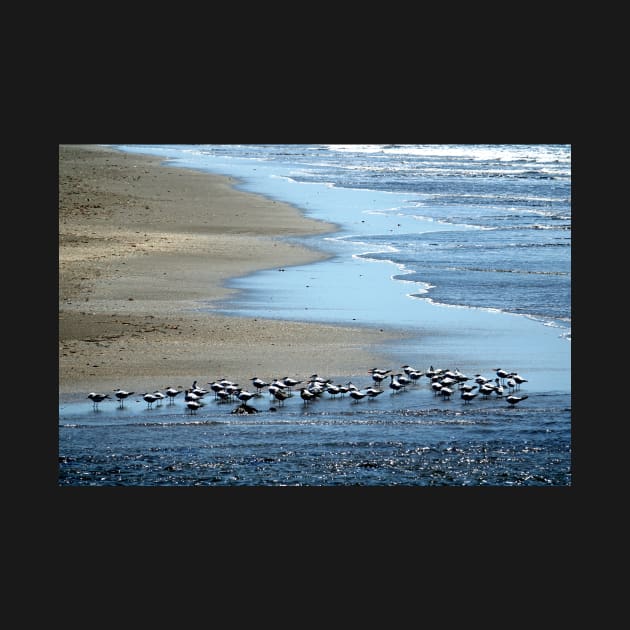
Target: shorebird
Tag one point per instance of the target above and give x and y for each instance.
(307, 395)
(461, 377)
(378, 378)
(316, 388)
(258, 383)
(313, 378)
(447, 381)
(244, 395)
(121, 394)
(97, 398)
(224, 382)
(434, 371)
(171, 392)
(199, 391)
(512, 400)
(498, 390)
(232, 390)
(378, 371)
(216, 387)
(160, 396)
(394, 384)
(357, 395)
(415, 375)
(222, 395)
(373, 392)
(486, 389)
(502, 374)
(149, 399)
(343, 389)
(289, 382)
(467, 396)
(518, 379)
(193, 405)
(436, 386)
(446, 392)
(277, 384)
(190, 395)
(280, 396)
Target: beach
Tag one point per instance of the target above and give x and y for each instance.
(146, 249)
(183, 263)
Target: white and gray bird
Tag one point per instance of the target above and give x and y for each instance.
(513, 400)
(373, 392)
(394, 384)
(121, 394)
(258, 383)
(502, 374)
(307, 395)
(190, 395)
(97, 398)
(194, 405)
(289, 382)
(486, 389)
(357, 395)
(436, 386)
(280, 395)
(149, 399)
(244, 395)
(518, 379)
(498, 390)
(199, 391)
(172, 392)
(160, 396)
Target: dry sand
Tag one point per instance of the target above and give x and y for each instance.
(143, 248)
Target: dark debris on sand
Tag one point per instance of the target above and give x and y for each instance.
(244, 408)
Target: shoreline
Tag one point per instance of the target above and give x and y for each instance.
(141, 244)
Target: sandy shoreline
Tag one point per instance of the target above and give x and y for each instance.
(141, 245)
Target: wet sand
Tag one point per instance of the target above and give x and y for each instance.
(144, 252)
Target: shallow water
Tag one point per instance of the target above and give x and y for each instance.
(411, 438)
(485, 226)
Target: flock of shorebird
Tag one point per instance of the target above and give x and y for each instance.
(443, 382)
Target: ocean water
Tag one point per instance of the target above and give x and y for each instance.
(411, 438)
(467, 247)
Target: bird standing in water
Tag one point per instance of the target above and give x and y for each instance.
(467, 396)
(171, 392)
(307, 395)
(357, 395)
(193, 405)
(518, 379)
(513, 400)
(149, 399)
(97, 398)
(121, 394)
